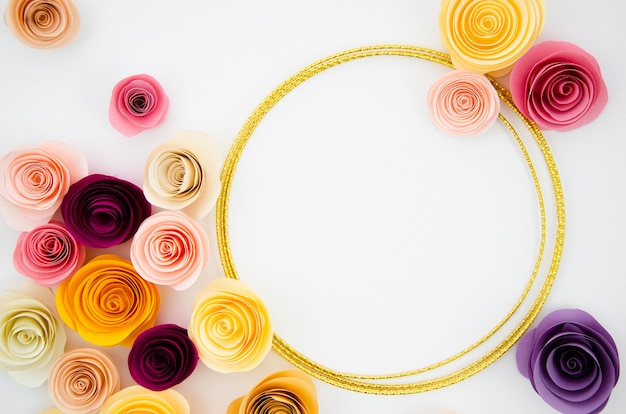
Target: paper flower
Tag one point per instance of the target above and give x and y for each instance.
(162, 357)
(230, 326)
(48, 254)
(136, 399)
(107, 302)
(288, 391)
(184, 174)
(463, 103)
(31, 334)
(102, 211)
(138, 103)
(34, 180)
(571, 361)
(43, 24)
(489, 36)
(81, 380)
(171, 249)
(559, 86)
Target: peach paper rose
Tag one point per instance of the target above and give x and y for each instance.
(81, 380)
(287, 391)
(489, 36)
(107, 302)
(184, 174)
(171, 249)
(136, 399)
(31, 334)
(43, 24)
(48, 254)
(230, 326)
(138, 103)
(34, 180)
(463, 103)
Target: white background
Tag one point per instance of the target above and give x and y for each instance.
(379, 244)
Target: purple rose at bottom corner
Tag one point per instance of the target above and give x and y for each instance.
(162, 357)
(571, 361)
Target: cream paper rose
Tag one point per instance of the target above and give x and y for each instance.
(136, 399)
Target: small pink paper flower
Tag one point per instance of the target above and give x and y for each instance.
(559, 86)
(463, 103)
(48, 254)
(137, 103)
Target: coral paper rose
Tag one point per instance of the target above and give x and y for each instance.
(559, 86)
(81, 380)
(107, 302)
(162, 357)
(489, 36)
(103, 211)
(230, 326)
(43, 24)
(571, 361)
(31, 334)
(183, 174)
(288, 391)
(34, 180)
(48, 254)
(463, 103)
(136, 399)
(137, 103)
(170, 248)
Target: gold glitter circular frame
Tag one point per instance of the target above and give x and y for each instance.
(372, 384)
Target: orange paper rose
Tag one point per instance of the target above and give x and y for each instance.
(107, 302)
(136, 399)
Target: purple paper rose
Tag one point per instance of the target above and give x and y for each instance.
(571, 361)
(162, 357)
(103, 211)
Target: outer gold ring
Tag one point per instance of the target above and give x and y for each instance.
(379, 384)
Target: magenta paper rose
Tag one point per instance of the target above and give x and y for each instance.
(171, 249)
(34, 180)
(571, 361)
(137, 103)
(103, 211)
(162, 357)
(559, 86)
(48, 254)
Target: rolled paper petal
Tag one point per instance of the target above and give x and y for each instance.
(559, 86)
(31, 334)
(138, 103)
(136, 399)
(183, 174)
(489, 36)
(463, 103)
(107, 302)
(230, 326)
(43, 24)
(162, 357)
(48, 254)
(34, 180)
(287, 391)
(81, 380)
(571, 361)
(102, 211)
(171, 249)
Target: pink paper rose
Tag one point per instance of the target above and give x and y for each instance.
(559, 86)
(34, 180)
(137, 103)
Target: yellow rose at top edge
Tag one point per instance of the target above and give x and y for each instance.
(489, 36)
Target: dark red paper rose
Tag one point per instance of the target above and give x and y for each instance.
(162, 357)
(102, 211)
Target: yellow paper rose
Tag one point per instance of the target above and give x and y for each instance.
(107, 302)
(489, 36)
(230, 326)
(136, 399)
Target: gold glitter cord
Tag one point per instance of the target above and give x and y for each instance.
(371, 384)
